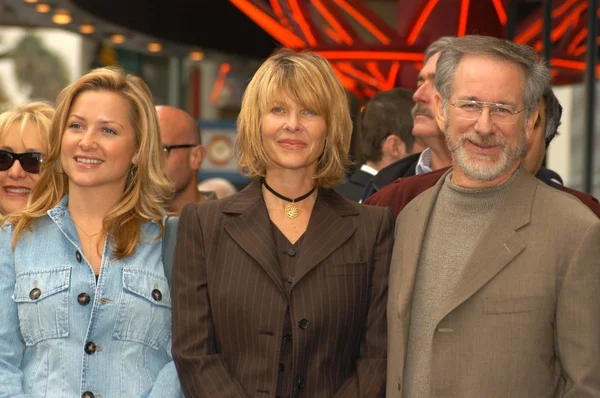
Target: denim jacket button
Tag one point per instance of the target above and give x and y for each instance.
(35, 293)
(87, 394)
(90, 347)
(83, 299)
(156, 294)
(78, 256)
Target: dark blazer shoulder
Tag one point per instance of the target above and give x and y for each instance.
(353, 187)
(404, 167)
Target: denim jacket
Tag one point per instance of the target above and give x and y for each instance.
(64, 335)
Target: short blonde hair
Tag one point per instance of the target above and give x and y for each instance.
(39, 113)
(310, 81)
(147, 190)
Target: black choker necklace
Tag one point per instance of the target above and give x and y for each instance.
(291, 210)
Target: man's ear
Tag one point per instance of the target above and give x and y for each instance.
(440, 118)
(394, 147)
(197, 155)
(532, 121)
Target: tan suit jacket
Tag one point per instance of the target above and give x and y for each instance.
(229, 299)
(524, 319)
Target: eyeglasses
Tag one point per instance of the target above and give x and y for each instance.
(169, 148)
(499, 113)
(30, 161)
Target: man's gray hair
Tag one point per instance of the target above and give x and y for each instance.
(537, 74)
(437, 46)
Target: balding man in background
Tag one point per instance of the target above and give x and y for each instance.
(184, 154)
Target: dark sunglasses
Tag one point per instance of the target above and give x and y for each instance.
(30, 161)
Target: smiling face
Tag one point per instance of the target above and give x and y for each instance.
(98, 144)
(293, 136)
(16, 183)
(482, 149)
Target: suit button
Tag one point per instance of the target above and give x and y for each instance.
(78, 257)
(289, 279)
(87, 394)
(83, 299)
(291, 252)
(301, 383)
(281, 367)
(35, 293)
(156, 295)
(287, 338)
(90, 348)
(303, 324)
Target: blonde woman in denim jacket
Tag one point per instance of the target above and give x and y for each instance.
(85, 305)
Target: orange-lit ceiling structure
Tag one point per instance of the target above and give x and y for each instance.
(370, 54)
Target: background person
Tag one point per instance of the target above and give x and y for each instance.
(280, 290)
(425, 128)
(85, 303)
(24, 134)
(184, 154)
(384, 129)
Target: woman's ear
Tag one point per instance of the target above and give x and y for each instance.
(136, 158)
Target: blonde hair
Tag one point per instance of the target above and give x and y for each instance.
(147, 189)
(308, 79)
(39, 113)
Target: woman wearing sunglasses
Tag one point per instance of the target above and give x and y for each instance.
(86, 307)
(23, 142)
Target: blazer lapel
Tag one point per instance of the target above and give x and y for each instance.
(252, 231)
(329, 227)
(500, 244)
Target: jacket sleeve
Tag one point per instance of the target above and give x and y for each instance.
(166, 383)
(11, 345)
(578, 319)
(200, 366)
(371, 366)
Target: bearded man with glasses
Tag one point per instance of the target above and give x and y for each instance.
(494, 275)
(184, 154)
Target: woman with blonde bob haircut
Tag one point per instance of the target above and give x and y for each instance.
(307, 79)
(281, 289)
(86, 302)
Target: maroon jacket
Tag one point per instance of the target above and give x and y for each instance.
(399, 193)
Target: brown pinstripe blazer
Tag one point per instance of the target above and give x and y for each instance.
(229, 302)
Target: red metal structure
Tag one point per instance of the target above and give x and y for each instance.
(370, 55)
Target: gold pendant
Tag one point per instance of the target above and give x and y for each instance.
(291, 210)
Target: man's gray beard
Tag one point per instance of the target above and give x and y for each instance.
(483, 169)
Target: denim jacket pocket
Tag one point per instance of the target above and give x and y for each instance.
(145, 308)
(42, 298)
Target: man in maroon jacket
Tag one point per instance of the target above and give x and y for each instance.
(399, 193)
